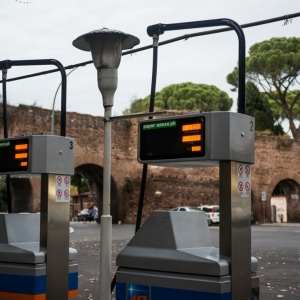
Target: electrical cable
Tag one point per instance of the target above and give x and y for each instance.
(285, 18)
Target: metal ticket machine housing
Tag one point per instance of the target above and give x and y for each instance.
(36, 262)
(171, 256)
(35, 259)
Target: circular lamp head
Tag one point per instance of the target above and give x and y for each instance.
(106, 46)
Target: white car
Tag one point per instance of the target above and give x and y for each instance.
(185, 208)
(190, 208)
(212, 213)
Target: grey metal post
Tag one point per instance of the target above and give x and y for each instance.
(107, 83)
(54, 239)
(264, 213)
(106, 219)
(235, 231)
(106, 47)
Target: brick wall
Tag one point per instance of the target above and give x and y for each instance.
(276, 160)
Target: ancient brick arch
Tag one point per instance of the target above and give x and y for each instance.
(276, 160)
(90, 164)
(289, 183)
(22, 194)
(285, 176)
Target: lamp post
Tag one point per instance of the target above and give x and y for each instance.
(106, 46)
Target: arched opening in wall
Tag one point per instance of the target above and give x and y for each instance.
(285, 201)
(21, 194)
(91, 195)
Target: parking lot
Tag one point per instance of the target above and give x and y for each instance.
(276, 248)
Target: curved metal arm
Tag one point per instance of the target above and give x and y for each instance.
(6, 64)
(161, 28)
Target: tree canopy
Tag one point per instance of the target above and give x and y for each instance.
(258, 106)
(83, 182)
(185, 96)
(275, 66)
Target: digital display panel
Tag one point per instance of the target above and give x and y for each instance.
(172, 138)
(191, 138)
(196, 148)
(14, 155)
(191, 127)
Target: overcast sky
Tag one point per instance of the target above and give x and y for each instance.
(46, 28)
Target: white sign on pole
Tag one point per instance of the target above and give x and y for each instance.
(263, 196)
(62, 188)
(244, 180)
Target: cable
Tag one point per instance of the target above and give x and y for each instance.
(285, 18)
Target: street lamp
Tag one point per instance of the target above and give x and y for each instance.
(106, 46)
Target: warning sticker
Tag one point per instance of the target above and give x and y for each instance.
(62, 188)
(244, 180)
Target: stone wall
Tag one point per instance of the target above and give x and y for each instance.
(277, 160)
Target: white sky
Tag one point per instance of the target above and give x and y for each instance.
(46, 28)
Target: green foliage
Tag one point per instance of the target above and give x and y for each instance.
(34, 103)
(275, 60)
(3, 195)
(289, 98)
(78, 180)
(57, 116)
(137, 105)
(233, 79)
(185, 96)
(275, 66)
(258, 106)
(128, 186)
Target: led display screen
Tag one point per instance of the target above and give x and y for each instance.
(172, 138)
(14, 155)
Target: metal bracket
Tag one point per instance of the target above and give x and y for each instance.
(5, 64)
(133, 116)
(4, 74)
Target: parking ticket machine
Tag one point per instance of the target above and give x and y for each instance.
(171, 256)
(35, 259)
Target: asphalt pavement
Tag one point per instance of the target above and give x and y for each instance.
(276, 246)
(86, 239)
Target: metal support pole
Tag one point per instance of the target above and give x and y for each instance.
(106, 219)
(264, 213)
(4, 77)
(54, 239)
(161, 28)
(5, 133)
(40, 62)
(235, 231)
(151, 109)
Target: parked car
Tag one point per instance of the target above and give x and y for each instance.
(212, 213)
(190, 208)
(86, 215)
(96, 217)
(185, 208)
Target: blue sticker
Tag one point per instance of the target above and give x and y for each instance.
(137, 292)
